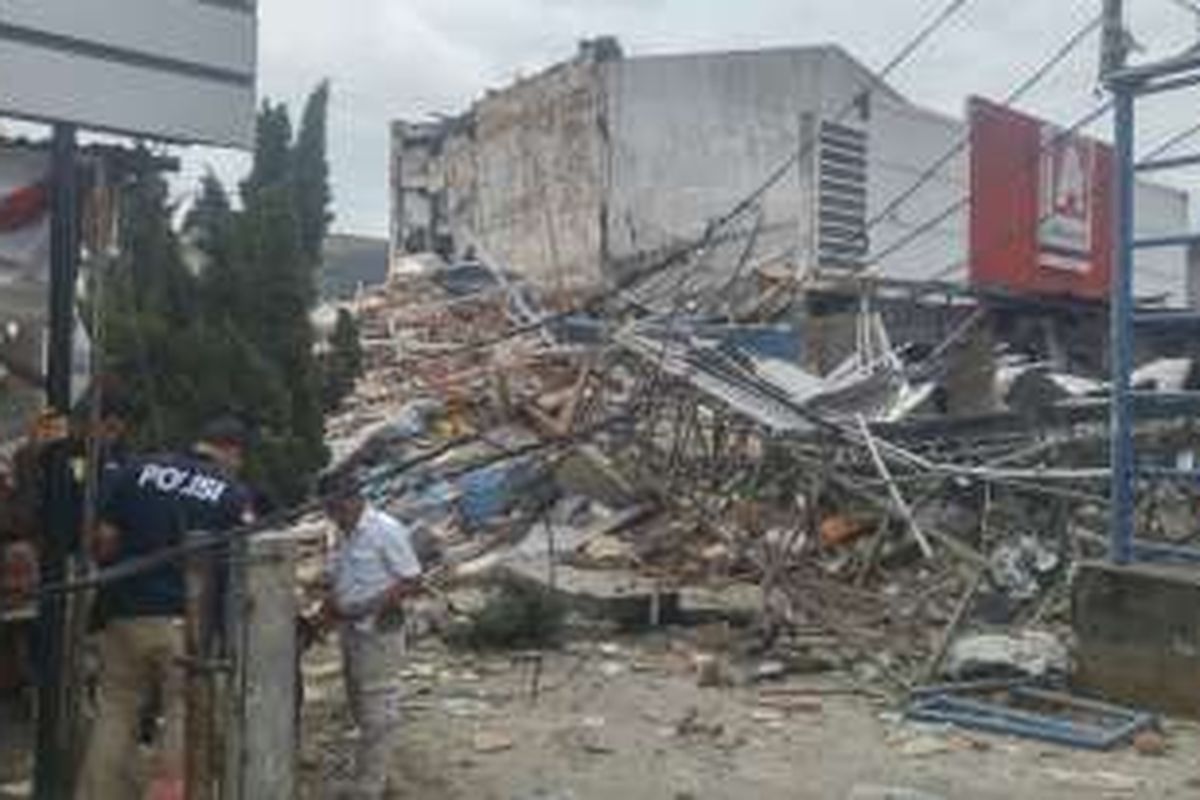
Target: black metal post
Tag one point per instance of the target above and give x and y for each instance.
(52, 769)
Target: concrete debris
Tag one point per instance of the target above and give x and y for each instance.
(1022, 567)
(872, 792)
(694, 724)
(925, 745)
(770, 671)
(711, 670)
(1023, 654)
(796, 704)
(1099, 781)
(491, 742)
(628, 465)
(1150, 743)
(605, 552)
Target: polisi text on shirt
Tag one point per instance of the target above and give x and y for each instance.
(173, 480)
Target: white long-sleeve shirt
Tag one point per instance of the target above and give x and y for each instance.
(372, 558)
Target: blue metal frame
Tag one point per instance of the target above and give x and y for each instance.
(1127, 86)
(1162, 553)
(1107, 725)
(1169, 85)
(1167, 318)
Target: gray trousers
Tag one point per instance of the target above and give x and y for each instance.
(371, 665)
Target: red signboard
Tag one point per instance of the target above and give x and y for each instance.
(1041, 206)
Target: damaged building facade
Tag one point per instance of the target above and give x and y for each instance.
(569, 176)
(819, 180)
(597, 162)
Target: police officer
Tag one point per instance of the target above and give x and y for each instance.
(153, 503)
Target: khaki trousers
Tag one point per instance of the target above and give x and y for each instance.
(137, 656)
(371, 664)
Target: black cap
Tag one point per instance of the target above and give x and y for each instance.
(226, 430)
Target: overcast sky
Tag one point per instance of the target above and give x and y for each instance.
(390, 59)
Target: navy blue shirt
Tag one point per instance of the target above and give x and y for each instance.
(153, 503)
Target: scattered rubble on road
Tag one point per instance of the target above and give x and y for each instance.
(670, 471)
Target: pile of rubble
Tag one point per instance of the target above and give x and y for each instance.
(638, 463)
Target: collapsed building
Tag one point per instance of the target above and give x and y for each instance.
(836, 337)
(583, 174)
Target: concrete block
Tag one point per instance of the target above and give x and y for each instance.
(1138, 632)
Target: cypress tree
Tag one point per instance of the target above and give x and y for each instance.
(234, 337)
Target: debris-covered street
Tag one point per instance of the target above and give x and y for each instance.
(717, 643)
(624, 717)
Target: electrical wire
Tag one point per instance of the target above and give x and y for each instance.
(1026, 86)
(273, 522)
(717, 224)
(937, 219)
(905, 52)
(1158, 150)
(1171, 142)
(125, 570)
(932, 223)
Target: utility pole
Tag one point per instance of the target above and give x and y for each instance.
(1113, 56)
(52, 769)
(1114, 45)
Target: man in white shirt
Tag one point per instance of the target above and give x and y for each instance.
(372, 571)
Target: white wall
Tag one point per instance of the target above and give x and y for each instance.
(905, 143)
(594, 163)
(692, 134)
(1161, 211)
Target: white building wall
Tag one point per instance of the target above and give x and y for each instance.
(906, 142)
(692, 134)
(592, 164)
(1161, 211)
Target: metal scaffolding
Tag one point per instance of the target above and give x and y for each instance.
(1128, 85)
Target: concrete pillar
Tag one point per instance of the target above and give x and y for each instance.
(262, 747)
(971, 379)
(1138, 630)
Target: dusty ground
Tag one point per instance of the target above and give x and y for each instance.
(626, 719)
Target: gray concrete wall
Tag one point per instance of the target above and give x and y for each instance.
(568, 176)
(538, 177)
(693, 134)
(412, 176)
